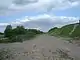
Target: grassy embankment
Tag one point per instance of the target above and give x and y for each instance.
(71, 30)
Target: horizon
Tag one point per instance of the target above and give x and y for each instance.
(38, 14)
(39, 29)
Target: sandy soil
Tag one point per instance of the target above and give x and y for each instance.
(46, 41)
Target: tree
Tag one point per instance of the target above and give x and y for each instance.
(8, 31)
(1, 33)
(19, 30)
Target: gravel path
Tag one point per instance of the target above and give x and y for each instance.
(42, 41)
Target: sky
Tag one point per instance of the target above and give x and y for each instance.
(38, 14)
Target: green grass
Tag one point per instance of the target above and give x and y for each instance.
(76, 33)
(65, 30)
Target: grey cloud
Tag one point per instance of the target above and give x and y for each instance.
(12, 6)
(5, 6)
(44, 26)
(43, 22)
(2, 28)
(73, 0)
(5, 11)
(24, 2)
(46, 23)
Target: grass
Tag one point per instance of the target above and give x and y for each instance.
(65, 30)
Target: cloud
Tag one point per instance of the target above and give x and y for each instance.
(13, 6)
(24, 2)
(43, 22)
(4, 24)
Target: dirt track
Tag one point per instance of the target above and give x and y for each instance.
(46, 41)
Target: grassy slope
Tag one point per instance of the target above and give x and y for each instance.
(76, 33)
(65, 30)
(55, 32)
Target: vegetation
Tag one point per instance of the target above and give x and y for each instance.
(18, 34)
(8, 31)
(1, 33)
(54, 31)
(76, 32)
(66, 30)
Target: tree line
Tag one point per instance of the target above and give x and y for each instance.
(19, 33)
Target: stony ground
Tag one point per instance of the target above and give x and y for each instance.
(46, 43)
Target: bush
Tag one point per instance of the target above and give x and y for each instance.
(4, 40)
(21, 38)
(19, 34)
